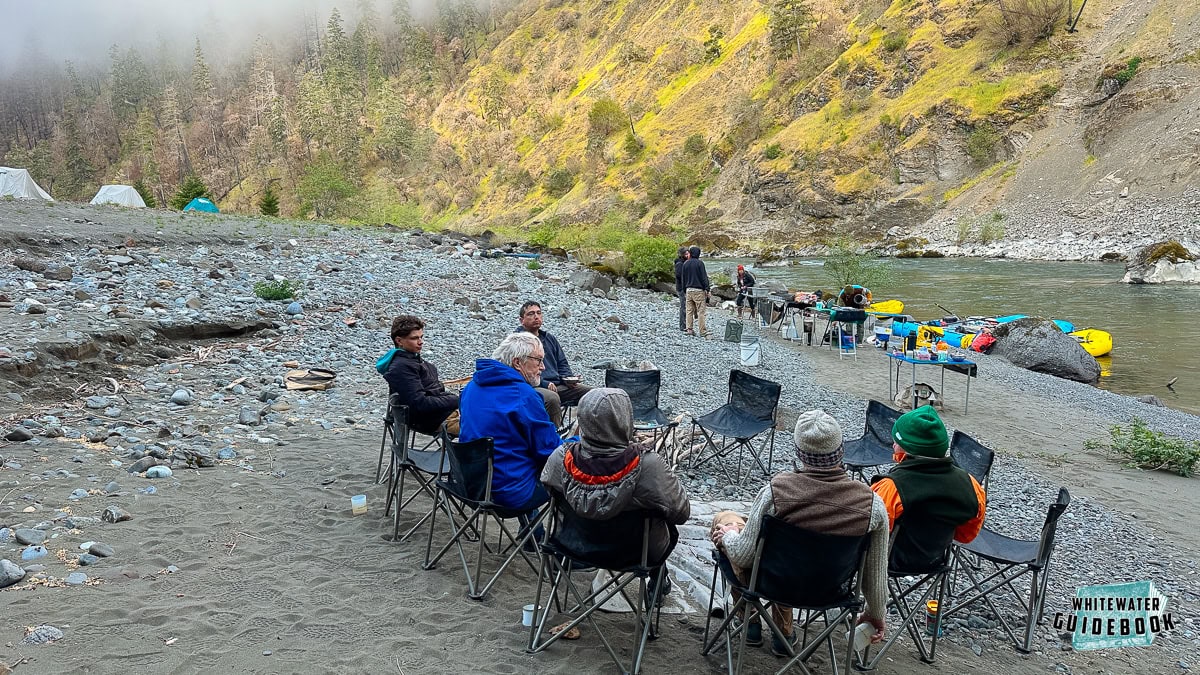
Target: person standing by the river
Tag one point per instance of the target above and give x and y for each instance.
(745, 281)
(680, 289)
(695, 280)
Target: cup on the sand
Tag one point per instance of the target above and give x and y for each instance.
(358, 504)
(527, 614)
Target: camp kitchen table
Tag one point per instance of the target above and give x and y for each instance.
(968, 368)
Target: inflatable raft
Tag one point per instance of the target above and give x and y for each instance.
(1093, 340)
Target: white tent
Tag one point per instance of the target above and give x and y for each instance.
(121, 195)
(18, 183)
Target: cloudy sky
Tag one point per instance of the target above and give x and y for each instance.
(84, 30)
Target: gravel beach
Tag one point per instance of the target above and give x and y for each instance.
(132, 345)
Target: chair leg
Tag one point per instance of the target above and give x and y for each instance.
(382, 447)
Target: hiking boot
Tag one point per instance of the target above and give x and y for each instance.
(754, 635)
(777, 646)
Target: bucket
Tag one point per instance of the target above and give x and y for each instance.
(527, 614)
(882, 335)
(751, 351)
(358, 504)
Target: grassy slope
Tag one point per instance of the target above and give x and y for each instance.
(951, 80)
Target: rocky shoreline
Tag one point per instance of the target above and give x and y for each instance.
(150, 379)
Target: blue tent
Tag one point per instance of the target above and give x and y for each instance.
(202, 204)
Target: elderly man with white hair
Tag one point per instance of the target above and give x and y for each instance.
(500, 403)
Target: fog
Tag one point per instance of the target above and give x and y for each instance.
(82, 31)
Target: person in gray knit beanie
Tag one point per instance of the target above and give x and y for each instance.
(819, 496)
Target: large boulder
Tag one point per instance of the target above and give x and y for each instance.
(1163, 262)
(1039, 345)
(588, 280)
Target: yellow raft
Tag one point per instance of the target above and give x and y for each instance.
(886, 307)
(1094, 341)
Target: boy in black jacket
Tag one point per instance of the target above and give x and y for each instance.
(414, 379)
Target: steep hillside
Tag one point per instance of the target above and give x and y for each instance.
(582, 123)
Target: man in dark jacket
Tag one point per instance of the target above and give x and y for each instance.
(558, 385)
(679, 288)
(936, 500)
(695, 281)
(500, 403)
(607, 472)
(415, 380)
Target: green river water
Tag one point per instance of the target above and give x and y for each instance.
(1155, 329)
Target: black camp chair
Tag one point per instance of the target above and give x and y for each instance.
(1012, 559)
(422, 466)
(468, 489)
(908, 559)
(798, 568)
(392, 425)
(749, 412)
(874, 448)
(620, 545)
(643, 388)
(972, 456)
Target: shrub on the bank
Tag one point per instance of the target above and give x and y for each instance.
(283, 289)
(1143, 448)
(650, 259)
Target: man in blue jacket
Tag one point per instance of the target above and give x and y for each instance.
(500, 403)
(558, 385)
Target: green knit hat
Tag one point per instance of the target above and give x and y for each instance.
(921, 432)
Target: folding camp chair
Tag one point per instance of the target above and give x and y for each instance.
(797, 568)
(907, 560)
(874, 448)
(620, 545)
(643, 387)
(390, 426)
(972, 456)
(423, 466)
(749, 412)
(1011, 559)
(468, 488)
(842, 319)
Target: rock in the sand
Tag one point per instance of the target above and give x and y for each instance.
(80, 522)
(1038, 345)
(101, 549)
(76, 579)
(87, 559)
(1151, 399)
(226, 453)
(6, 535)
(158, 472)
(112, 487)
(29, 264)
(43, 634)
(96, 402)
(143, 464)
(294, 308)
(18, 435)
(590, 280)
(114, 514)
(33, 553)
(60, 273)
(181, 397)
(77, 493)
(249, 417)
(27, 535)
(10, 573)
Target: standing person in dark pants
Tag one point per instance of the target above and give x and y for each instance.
(679, 288)
(695, 281)
(745, 282)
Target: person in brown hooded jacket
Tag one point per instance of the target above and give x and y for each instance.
(606, 472)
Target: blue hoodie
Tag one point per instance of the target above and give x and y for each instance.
(499, 403)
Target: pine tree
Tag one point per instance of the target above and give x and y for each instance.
(269, 204)
(191, 188)
(147, 195)
(791, 22)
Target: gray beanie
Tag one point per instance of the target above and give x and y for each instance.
(818, 439)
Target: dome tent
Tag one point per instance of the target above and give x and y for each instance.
(19, 184)
(202, 204)
(121, 195)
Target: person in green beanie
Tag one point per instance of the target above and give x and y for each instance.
(927, 488)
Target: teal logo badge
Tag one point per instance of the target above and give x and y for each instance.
(1115, 615)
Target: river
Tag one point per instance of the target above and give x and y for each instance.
(1155, 328)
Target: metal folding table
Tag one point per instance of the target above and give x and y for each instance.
(968, 368)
